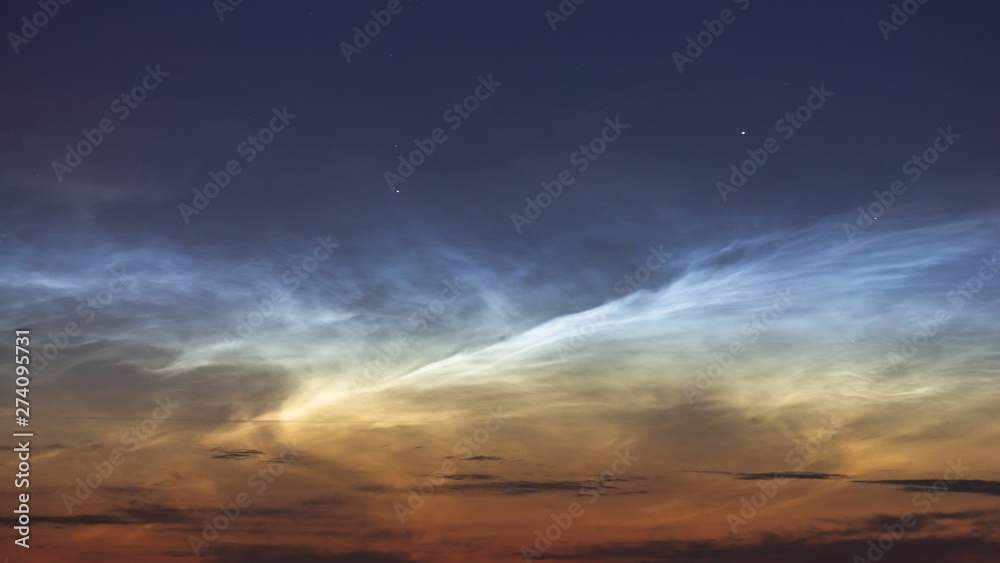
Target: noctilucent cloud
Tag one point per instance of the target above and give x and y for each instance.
(414, 282)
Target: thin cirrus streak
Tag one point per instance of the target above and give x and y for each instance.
(909, 270)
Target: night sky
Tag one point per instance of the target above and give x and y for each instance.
(402, 281)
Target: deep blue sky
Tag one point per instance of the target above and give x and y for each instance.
(324, 173)
(607, 59)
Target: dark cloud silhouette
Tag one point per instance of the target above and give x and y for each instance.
(55, 447)
(326, 500)
(377, 489)
(236, 454)
(965, 515)
(518, 488)
(145, 514)
(467, 477)
(789, 475)
(488, 484)
(480, 458)
(940, 486)
(777, 475)
(246, 553)
(787, 550)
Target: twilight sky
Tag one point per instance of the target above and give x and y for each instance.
(413, 282)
